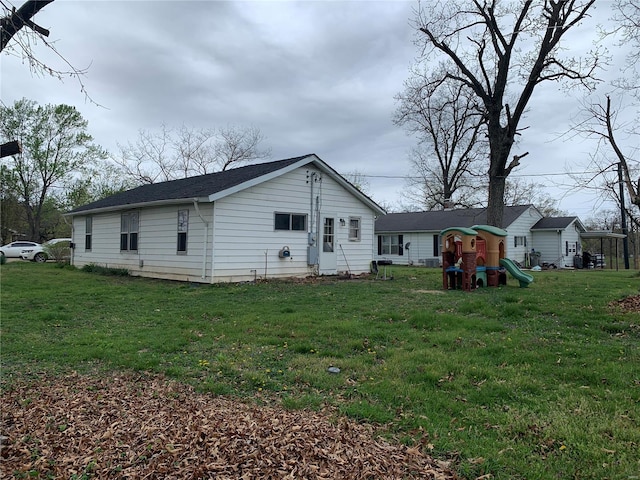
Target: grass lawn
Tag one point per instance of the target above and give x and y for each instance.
(517, 383)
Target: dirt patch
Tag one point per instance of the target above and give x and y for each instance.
(135, 426)
(628, 304)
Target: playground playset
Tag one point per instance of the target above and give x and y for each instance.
(476, 257)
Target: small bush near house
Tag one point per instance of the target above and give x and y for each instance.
(100, 270)
(59, 252)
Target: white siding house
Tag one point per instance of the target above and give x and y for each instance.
(557, 239)
(294, 217)
(414, 238)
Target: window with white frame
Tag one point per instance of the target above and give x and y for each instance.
(88, 233)
(519, 241)
(354, 229)
(129, 231)
(183, 228)
(290, 221)
(390, 245)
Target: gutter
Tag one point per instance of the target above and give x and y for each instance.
(131, 206)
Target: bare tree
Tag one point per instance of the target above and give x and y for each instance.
(170, 154)
(501, 51)
(600, 122)
(429, 187)
(521, 192)
(238, 145)
(627, 20)
(448, 122)
(358, 180)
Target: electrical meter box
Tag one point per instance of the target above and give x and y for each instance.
(312, 255)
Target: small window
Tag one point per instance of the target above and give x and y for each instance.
(354, 229)
(519, 241)
(129, 231)
(88, 232)
(183, 228)
(290, 221)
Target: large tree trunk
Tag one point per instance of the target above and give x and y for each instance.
(495, 202)
(500, 141)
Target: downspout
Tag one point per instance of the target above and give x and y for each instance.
(213, 242)
(206, 238)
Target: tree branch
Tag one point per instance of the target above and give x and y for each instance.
(12, 23)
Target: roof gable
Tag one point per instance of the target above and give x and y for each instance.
(214, 186)
(436, 221)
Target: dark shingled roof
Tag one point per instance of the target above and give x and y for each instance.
(192, 187)
(437, 221)
(553, 223)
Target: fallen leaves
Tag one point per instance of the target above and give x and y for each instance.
(128, 426)
(628, 304)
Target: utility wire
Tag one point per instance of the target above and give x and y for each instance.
(346, 175)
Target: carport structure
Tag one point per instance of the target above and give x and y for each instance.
(602, 234)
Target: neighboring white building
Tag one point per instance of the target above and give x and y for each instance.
(558, 239)
(294, 217)
(414, 238)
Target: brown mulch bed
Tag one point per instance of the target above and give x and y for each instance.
(628, 304)
(137, 426)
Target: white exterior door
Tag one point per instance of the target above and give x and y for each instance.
(328, 256)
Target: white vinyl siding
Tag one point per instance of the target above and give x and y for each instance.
(246, 243)
(242, 243)
(521, 228)
(156, 254)
(552, 245)
(549, 245)
(420, 251)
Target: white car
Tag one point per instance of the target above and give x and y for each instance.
(41, 253)
(15, 249)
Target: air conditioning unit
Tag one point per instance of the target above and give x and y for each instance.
(432, 262)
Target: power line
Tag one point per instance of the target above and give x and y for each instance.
(346, 175)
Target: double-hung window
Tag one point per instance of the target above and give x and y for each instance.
(88, 232)
(183, 228)
(129, 224)
(354, 229)
(520, 241)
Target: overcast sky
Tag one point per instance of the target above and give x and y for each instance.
(314, 77)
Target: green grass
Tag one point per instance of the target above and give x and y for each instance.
(520, 383)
